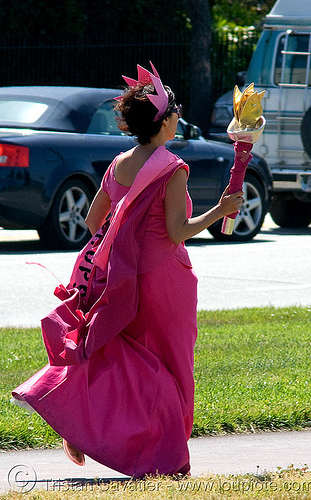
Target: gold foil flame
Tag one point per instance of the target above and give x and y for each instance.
(247, 106)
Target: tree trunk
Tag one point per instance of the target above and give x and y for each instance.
(201, 82)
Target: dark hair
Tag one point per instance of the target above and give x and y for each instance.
(137, 112)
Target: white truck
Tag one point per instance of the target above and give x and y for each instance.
(281, 65)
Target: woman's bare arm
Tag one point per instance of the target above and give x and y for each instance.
(98, 211)
(180, 228)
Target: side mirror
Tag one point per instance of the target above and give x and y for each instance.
(192, 132)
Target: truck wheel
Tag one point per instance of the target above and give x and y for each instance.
(249, 220)
(287, 211)
(64, 227)
(305, 131)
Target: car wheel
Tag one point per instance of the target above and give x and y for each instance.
(287, 211)
(251, 216)
(65, 226)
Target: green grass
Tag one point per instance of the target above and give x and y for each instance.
(252, 372)
(22, 354)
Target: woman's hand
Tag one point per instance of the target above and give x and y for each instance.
(230, 203)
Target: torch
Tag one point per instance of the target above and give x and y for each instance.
(245, 129)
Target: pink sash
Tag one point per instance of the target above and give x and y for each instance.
(157, 165)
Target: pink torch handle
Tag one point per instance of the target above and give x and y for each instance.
(241, 160)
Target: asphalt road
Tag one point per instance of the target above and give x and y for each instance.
(273, 270)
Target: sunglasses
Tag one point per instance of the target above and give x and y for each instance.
(178, 110)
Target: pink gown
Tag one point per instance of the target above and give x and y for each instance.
(129, 406)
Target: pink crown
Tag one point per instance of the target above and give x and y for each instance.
(160, 100)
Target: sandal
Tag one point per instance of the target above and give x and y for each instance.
(75, 456)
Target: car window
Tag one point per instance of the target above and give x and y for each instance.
(21, 111)
(295, 62)
(104, 121)
(179, 132)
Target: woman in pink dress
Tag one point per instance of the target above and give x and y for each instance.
(119, 385)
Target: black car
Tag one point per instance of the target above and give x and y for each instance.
(57, 142)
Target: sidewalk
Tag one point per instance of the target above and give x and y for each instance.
(229, 454)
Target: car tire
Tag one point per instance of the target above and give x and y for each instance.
(251, 216)
(65, 227)
(288, 211)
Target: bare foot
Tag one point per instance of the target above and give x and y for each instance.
(73, 453)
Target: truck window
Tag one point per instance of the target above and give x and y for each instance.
(295, 60)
